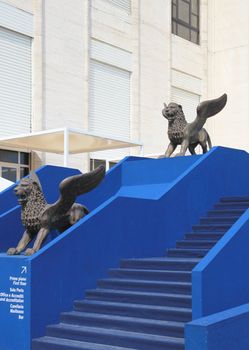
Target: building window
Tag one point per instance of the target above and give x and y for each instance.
(186, 19)
(14, 165)
(94, 163)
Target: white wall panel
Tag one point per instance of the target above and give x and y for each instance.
(111, 55)
(16, 19)
(186, 82)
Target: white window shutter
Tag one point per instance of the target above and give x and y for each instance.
(124, 5)
(15, 83)
(110, 94)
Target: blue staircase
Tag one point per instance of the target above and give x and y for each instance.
(145, 303)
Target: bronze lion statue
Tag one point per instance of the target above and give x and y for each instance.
(190, 135)
(39, 217)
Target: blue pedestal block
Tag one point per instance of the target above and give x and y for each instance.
(221, 331)
(141, 208)
(15, 302)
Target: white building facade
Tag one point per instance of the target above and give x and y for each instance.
(107, 66)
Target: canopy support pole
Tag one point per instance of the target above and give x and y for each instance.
(66, 147)
(141, 150)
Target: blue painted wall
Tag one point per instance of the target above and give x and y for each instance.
(131, 225)
(139, 210)
(120, 227)
(227, 330)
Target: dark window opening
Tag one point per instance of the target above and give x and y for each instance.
(24, 158)
(108, 164)
(186, 19)
(14, 165)
(94, 163)
(9, 173)
(24, 171)
(112, 164)
(8, 156)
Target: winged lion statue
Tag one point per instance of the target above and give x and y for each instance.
(39, 217)
(189, 135)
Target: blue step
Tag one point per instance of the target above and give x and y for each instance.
(198, 243)
(146, 285)
(219, 220)
(214, 236)
(232, 205)
(115, 337)
(225, 212)
(137, 297)
(53, 343)
(183, 253)
(211, 228)
(235, 199)
(164, 275)
(168, 313)
(175, 264)
(135, 324)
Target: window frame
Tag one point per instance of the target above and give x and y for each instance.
(108, 163)
(17, 165)
(177, 21)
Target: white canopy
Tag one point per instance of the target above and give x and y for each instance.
(65, 141)
(4, 183)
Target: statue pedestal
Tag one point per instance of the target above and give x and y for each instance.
(15, 299)
(150, 205)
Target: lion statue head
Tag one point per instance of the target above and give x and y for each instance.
(28, 187)
(173, 111)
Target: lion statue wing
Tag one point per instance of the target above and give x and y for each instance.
(209, 108)
(74, 186)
